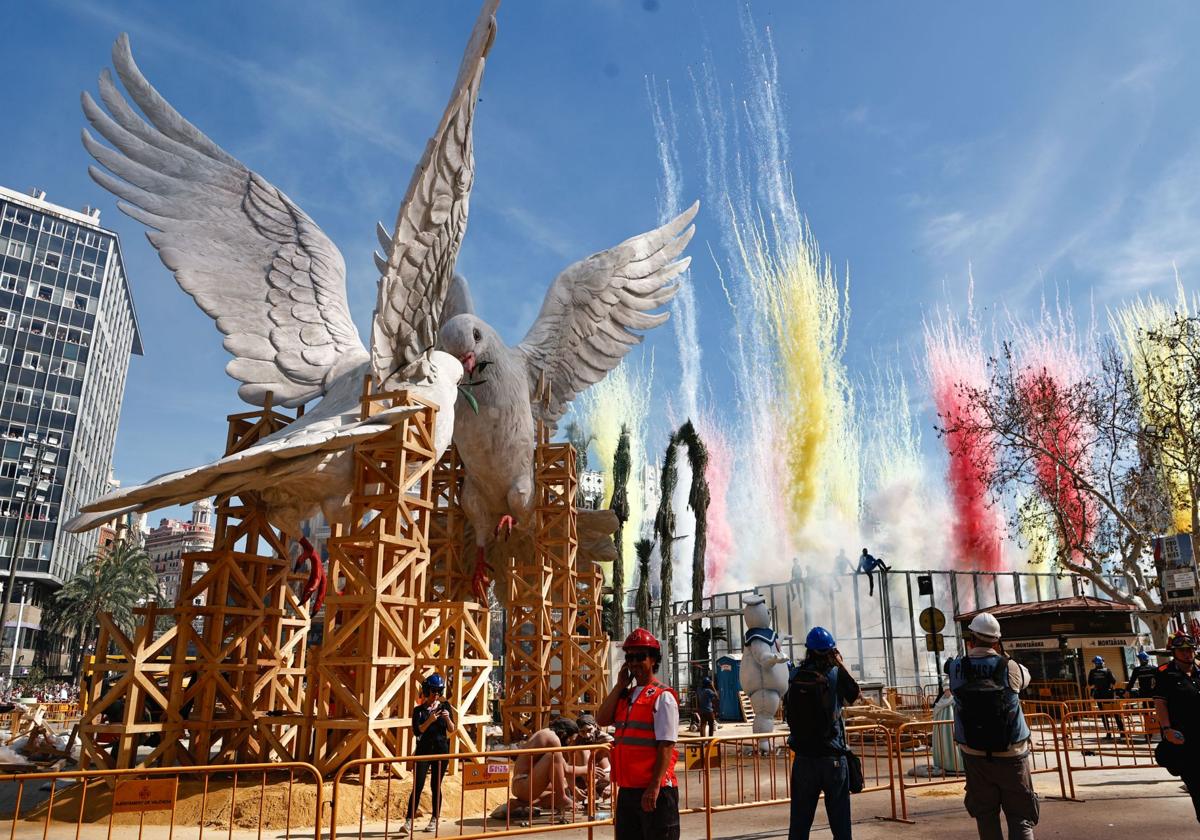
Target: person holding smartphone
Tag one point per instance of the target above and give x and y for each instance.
(433, 722)
(645, 712)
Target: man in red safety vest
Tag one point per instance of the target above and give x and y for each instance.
(646, 715)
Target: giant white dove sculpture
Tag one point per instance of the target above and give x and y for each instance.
(276, 287)
(585, 327)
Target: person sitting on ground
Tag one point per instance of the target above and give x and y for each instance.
(597, 760)
(542, 779)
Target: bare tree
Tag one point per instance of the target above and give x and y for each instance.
(1086, 463)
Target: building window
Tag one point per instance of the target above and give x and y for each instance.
(46, 293)
(52, 260)
(32, 361)
(80, 302)
(62, 402)
(87, 270)
(66, 368)
(23, 396)
(9, 283)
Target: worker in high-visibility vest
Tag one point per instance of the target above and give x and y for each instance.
(645, 712)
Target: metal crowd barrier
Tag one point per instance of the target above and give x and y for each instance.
(731, 773)
(927, 750)
(140, 796)
(1111, 738)
(907, 698)
(488, 772)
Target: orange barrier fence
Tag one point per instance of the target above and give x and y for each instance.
(927, 755)
(512, 778)
(1053, 690)
(907, 698)
(733, 773)
(282, 799)
(1109, 739)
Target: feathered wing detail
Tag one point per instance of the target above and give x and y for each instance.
(250, 258)
(418, 258)
(585, 325)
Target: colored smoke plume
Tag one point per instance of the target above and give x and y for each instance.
(719, 551)
(957, 367)
(621, 398)
(1050, 364)
(1131, 324)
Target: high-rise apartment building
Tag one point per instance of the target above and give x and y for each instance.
(67, 330)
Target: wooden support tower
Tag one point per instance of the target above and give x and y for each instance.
(455, 630)
(365, 675)
(589, 646)
(543, 601)
(200, 691)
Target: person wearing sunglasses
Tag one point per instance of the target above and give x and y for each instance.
(645, 713)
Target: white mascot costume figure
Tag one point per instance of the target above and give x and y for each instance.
(764, 673)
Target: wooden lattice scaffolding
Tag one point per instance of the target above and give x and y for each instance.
(234, 650)
(366, 674)
(543, 601)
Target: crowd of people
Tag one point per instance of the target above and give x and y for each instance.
(43, 691)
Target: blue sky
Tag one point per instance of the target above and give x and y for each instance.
(1047, 146)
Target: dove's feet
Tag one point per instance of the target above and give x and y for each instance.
(482, 577)
(317, 581)
(506, 525)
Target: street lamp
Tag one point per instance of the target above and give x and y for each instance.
(39, 461)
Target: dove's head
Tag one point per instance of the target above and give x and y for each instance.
(470, 340)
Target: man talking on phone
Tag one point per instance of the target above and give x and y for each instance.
(645, 712)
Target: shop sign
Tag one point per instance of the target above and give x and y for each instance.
(1102, 641)
(1031, 644)
(1176, 565)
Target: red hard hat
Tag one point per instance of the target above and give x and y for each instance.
(641, 638)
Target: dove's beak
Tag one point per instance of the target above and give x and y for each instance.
(468, 362)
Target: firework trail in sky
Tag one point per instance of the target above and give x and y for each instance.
(719, 550)
(797, 465)
(956, 363)
(1131, 324)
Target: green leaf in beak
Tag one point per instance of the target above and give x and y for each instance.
(471, 401)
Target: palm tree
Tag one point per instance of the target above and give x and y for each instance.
(620, 506)
(113, 581)
(641, 603)
(579, 439)
(664, 527)
(698, 498)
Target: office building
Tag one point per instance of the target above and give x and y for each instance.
(67, 330)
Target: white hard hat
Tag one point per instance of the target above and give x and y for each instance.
(985, 624)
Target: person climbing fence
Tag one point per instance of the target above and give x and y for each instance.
(867, 565)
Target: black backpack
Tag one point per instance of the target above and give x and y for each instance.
(983, 706)
(809, 704)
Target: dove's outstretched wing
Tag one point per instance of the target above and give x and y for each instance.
(419, 255)
(248, 256)
(584, 328)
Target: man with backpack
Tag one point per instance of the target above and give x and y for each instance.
(991, 732)
(815, 696)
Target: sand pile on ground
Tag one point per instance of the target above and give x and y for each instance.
(279, 804)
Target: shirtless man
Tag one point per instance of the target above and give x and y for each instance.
(545, 782)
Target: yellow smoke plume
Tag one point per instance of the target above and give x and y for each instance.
(1131, 324)
(805, 313)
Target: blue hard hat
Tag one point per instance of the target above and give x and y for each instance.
(1143, 656)
(819, 639)
(1097, 660)
(434, 684)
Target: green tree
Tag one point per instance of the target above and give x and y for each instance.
(620, 507)
(641, 603)
(113, 581)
